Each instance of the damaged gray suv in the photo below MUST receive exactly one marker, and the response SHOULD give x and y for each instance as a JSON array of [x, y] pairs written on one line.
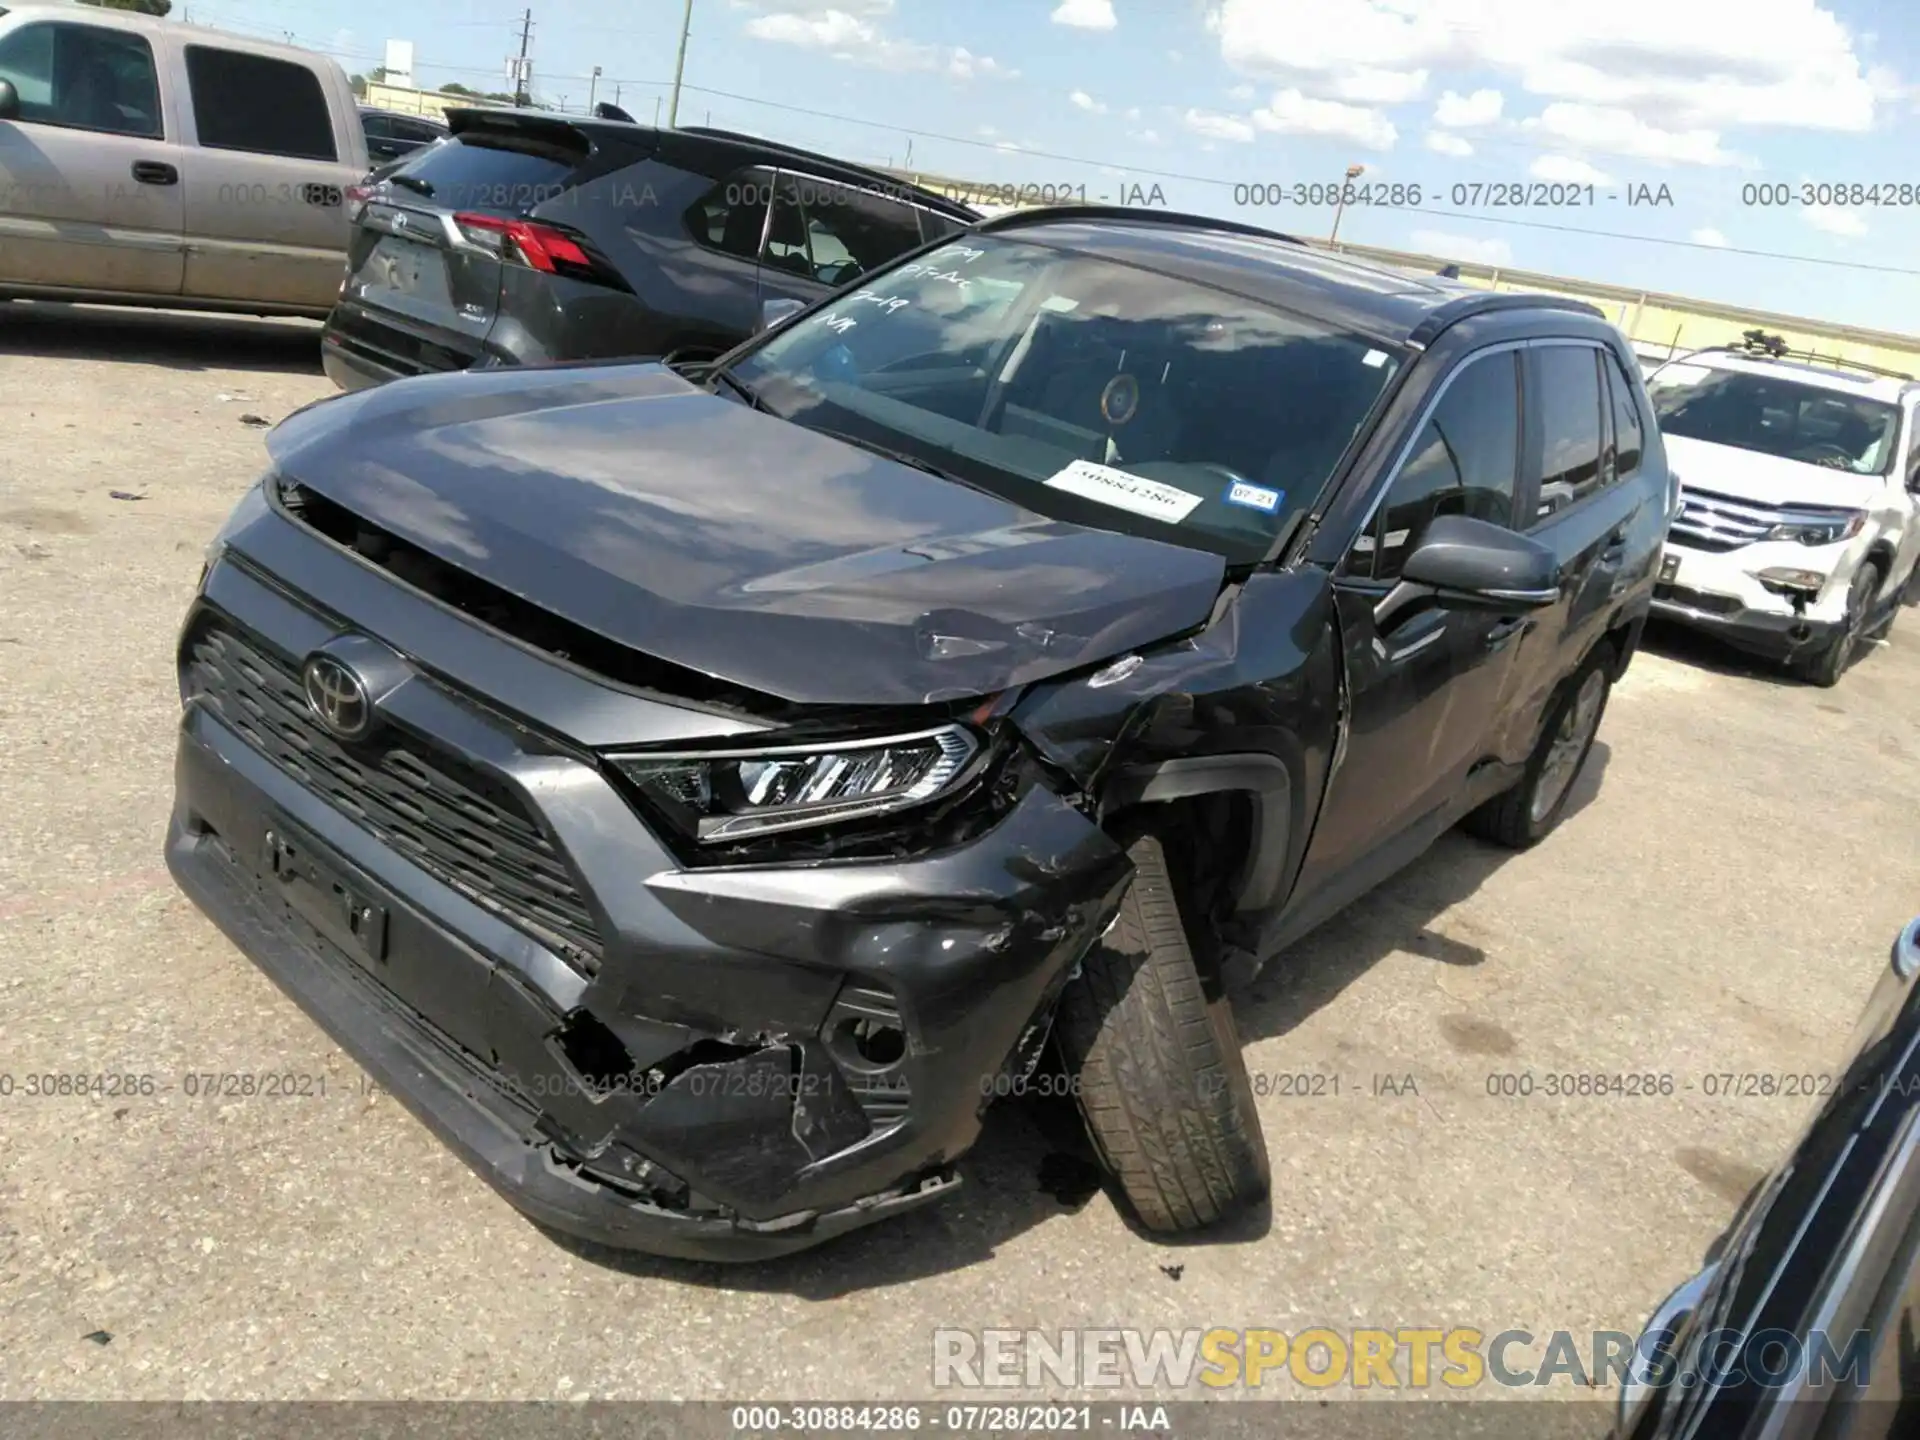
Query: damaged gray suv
[[697, 790]]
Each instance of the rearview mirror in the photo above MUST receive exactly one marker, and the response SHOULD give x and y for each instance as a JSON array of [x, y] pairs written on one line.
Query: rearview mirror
[[1467, 564], [772, 312], [9, 101]]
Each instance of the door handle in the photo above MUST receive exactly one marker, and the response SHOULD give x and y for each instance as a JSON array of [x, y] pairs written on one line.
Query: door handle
[[1506, 630], [1616, 550], [155, 172]]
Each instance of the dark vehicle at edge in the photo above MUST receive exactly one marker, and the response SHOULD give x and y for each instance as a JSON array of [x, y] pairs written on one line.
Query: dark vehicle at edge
[[698, 790], [392, 135], [526, 238], [1822, 1260]]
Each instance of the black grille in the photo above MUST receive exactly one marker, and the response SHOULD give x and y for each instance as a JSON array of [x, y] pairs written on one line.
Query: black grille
[[449, 822]]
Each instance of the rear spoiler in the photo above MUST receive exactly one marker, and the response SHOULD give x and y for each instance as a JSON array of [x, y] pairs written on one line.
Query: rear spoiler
[[605, 145]]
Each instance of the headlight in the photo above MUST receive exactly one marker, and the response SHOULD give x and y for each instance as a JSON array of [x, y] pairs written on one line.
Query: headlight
[[1819, 532], [731, 794]]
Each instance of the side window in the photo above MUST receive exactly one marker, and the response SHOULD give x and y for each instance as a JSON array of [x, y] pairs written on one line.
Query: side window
[[263, 106], [1627, 440], [731, 217], [378, 127], [84, 78], [1569, 413], [789, 243], [935, 226], [1463, 462], [415, 130], [848, 231]]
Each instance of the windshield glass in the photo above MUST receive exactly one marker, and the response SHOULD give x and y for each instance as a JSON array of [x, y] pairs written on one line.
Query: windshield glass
[[1775, 416], [1088, 391]]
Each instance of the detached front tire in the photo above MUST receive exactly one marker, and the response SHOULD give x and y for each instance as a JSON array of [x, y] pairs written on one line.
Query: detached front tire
[[1524, 815], [1160, 1079]]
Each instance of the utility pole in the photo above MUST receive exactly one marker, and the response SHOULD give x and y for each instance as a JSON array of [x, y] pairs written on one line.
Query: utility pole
[[1354, 172], [592, 85], [520, 95], [679, 66]]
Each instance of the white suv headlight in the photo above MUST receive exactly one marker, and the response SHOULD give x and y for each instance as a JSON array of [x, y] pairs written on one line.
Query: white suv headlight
[[716, 795], [1825, 531]]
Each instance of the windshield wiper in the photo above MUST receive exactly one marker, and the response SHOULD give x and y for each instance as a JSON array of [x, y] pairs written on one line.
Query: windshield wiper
[[413, 183], [899, 457], [739, 387]]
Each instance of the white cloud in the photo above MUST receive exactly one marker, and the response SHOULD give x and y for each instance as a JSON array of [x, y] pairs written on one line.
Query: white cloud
[[1216, 126], [1292, 113], [1707, 235], [1146, 137], [1086, 14], [1381, 87], [1241, 92], [1835, 222], [1482, 107], [848, 30], [1706, 65], [1568, 170], [1620, 132], [1443, 143], [1133, 112], [1463, 247], [1083, 101]]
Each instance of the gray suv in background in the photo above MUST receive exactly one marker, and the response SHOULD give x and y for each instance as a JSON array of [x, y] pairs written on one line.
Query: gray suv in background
[[527, 238], [147, 162]]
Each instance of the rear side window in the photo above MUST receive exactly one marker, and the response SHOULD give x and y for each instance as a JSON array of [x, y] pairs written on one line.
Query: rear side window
[[259, 105], [732, 216], [935, 226], [421, 130], [1569, 412], [1628, 441], [84, 78], [485, 172], [1463, 462]]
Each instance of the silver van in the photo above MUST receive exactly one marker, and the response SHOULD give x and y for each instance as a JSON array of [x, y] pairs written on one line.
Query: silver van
[[150, 162]]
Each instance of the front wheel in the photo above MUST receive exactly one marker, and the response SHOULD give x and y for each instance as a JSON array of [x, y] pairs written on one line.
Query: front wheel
[[1159, 1075], [1524, 815], [1826, 666]]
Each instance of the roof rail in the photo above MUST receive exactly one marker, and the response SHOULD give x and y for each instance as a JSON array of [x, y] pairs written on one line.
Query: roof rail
[[1151, 215], [1486, 302], [891, 183], [1758, 345]]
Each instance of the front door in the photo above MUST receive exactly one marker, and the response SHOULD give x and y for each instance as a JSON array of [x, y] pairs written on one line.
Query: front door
[[1423, 682], [89, 177]]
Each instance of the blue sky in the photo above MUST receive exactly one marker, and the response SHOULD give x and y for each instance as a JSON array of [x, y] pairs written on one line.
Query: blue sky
[[1704, 97]]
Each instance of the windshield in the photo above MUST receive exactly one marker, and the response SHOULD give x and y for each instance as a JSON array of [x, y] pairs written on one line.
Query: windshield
[[1088, 391], [1775, 416]]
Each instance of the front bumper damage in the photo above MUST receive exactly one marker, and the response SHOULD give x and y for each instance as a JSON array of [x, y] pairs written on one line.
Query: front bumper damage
[[759, 1057], [1717, 592]]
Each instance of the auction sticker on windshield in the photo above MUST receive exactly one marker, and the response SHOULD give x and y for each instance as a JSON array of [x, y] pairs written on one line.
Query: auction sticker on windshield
[[1124, 491]]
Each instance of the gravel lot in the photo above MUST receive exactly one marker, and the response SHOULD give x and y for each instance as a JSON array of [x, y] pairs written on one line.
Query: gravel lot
[[1720, 903]]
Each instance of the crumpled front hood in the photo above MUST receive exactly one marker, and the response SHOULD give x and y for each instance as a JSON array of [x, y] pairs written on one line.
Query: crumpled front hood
[[689, 527], [1765, 479]]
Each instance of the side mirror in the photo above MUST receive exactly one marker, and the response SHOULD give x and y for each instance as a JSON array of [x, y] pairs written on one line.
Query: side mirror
[[772, 312], [9, 101], [1467, 564], [1477, 563]]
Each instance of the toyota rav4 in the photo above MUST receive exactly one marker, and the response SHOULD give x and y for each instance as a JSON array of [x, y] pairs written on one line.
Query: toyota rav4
[[1799, 523], [697, 790]]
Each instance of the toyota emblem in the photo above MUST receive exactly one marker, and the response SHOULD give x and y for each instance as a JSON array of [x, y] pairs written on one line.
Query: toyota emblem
[[337, 697]]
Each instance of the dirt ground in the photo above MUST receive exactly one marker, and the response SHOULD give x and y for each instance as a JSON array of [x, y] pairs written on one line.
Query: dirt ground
[[1720, 903]]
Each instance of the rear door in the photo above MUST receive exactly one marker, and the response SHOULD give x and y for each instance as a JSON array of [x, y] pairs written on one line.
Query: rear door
[[1589, 486], [89, 172], [1423, 684], [267, 161]]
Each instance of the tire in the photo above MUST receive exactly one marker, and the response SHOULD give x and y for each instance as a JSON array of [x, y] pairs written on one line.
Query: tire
[[1526, 814], [1895, 604], [1160, 1079], [1827, 666]]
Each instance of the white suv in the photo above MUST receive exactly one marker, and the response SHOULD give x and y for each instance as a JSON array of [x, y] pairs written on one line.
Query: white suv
[[1799, 520]]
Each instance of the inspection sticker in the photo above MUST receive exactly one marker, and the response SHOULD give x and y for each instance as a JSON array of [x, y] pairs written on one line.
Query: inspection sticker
[[1124, 491], [1255, 497]]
